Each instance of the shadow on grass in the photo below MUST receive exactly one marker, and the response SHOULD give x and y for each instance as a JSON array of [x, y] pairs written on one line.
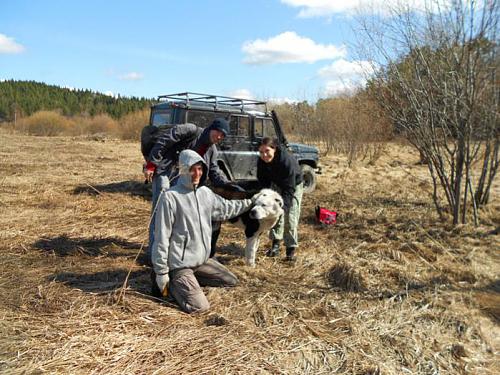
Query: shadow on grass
[[105, 281], [228, 253], [95, 246], [134, 188]]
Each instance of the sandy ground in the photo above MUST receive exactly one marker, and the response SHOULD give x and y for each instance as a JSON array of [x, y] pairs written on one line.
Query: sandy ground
[[389, 289]]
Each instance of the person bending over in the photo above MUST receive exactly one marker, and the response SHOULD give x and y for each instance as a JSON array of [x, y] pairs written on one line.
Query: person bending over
[[280, 170]]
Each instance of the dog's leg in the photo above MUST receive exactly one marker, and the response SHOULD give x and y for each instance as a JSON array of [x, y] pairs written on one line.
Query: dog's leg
[[251, 250]]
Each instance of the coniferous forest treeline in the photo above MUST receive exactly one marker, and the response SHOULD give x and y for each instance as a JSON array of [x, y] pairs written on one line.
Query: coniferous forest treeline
[[23, 98]]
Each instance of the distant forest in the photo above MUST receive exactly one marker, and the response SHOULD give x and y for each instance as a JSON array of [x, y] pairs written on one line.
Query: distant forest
[[27, 97]]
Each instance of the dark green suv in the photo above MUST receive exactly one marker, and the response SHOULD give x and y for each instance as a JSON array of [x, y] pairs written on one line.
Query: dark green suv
[[249, 122]]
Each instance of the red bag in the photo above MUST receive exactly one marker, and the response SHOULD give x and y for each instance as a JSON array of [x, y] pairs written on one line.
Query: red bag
[[325, 216]]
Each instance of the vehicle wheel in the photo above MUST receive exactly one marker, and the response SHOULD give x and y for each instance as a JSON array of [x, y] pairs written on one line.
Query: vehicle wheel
[[309, 178]]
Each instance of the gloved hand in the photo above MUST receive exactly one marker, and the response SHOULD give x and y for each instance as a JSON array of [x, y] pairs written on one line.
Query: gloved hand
[[162, 282]]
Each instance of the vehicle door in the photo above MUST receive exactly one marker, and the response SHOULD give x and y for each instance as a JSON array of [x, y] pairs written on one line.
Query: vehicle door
[[236, 150], [262, 127]]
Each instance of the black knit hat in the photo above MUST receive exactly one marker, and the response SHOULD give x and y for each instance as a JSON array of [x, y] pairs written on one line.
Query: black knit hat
[[220, 124]]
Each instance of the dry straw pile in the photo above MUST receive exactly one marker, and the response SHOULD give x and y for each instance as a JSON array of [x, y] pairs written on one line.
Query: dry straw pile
[[388, 290]]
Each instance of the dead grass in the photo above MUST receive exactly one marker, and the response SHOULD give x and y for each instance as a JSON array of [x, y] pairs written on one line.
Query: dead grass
[[388, 290]]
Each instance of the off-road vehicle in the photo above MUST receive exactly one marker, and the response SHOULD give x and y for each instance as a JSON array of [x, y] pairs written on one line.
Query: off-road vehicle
[[249, 121]]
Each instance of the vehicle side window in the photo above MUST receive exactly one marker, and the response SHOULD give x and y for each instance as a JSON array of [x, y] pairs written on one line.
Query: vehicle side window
[[160, 118], [269, 129], [233, 126], [200, 118], [258, 125], [240, 126]]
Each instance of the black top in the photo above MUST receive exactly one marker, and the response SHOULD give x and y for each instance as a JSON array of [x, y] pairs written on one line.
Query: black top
[[284, 171]]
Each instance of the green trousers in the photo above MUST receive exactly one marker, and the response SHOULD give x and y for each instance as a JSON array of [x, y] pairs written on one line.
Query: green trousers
[[287, 226]]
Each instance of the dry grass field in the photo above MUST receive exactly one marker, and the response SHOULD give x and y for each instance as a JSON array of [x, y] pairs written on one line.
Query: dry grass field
[[388, 290]]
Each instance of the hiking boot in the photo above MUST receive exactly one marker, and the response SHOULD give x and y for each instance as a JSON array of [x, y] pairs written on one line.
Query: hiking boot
[[290, 254], [274, 251]]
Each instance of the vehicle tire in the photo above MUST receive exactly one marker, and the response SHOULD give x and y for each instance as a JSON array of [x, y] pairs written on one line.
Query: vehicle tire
[[309, 178]]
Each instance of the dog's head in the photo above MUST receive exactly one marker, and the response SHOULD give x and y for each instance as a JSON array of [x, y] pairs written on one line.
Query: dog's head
[[267, 204]]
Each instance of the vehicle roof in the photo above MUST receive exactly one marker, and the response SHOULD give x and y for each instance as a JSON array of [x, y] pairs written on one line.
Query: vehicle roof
[[208, 102], [206, 107]]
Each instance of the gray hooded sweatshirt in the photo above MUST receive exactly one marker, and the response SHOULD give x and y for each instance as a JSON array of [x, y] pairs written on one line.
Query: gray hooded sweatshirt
[[183, 221]]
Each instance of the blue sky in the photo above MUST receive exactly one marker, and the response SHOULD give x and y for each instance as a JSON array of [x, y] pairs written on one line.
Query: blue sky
[[281, 49]]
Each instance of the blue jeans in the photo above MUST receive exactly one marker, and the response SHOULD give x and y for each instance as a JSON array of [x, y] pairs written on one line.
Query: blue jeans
[[159, 183]]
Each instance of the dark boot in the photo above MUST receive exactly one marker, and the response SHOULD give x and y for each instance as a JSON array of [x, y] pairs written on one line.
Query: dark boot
[[290, 254], [274, 251]]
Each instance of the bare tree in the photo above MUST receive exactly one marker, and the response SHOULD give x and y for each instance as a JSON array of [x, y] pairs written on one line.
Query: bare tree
[[437, 79]]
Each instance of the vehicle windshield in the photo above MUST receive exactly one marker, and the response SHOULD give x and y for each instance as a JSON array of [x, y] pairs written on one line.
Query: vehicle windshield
[[163, 117]]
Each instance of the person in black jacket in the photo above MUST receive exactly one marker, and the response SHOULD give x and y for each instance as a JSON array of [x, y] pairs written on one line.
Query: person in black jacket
[[279, 169]]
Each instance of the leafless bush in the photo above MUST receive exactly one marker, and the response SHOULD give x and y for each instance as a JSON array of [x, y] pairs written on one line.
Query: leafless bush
[[99, 124], [50, 123], [45, 123], [438, 83], [355, 126], [130, 125]]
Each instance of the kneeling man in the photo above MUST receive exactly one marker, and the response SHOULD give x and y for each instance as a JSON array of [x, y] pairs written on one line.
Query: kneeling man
[[183, 230]]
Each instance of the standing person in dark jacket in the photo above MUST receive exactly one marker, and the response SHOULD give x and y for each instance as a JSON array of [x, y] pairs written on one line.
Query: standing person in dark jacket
[[279, 169], [161, 168]]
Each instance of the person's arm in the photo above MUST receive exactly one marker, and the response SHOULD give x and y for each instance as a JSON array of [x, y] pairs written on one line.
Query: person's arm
[[164, 221], [262, 176], [287, 186], [168, 139], [224, 209], [215, 175], [288, 169]]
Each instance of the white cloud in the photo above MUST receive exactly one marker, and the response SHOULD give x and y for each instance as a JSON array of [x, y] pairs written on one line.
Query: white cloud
[[8, 45], [322, 8], [132, 76], [344, 76], [242, 94], [282, 100], [347, 69], [289, 47], [327, 8]]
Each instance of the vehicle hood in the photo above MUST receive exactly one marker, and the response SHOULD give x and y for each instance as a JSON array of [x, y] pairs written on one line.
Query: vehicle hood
[[302, 148]]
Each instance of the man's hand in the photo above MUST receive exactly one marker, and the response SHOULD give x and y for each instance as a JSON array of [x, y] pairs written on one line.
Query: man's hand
[[162, 283], [149, 170], [148, 176]]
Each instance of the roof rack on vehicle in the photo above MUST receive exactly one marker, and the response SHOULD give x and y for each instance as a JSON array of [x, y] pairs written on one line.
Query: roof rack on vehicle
[[215, 100]]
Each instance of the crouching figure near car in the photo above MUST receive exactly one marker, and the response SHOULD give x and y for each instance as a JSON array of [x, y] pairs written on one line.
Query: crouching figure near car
[[183, 230]]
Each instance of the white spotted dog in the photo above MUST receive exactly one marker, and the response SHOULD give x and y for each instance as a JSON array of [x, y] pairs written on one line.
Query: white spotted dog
[[267, 209]]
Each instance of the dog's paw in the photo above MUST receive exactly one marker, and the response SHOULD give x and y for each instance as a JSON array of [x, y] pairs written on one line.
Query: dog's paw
[[250, 263]]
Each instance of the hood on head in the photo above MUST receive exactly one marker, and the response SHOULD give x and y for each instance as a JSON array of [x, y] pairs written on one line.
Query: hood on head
[[220, 124], [188, 158]]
